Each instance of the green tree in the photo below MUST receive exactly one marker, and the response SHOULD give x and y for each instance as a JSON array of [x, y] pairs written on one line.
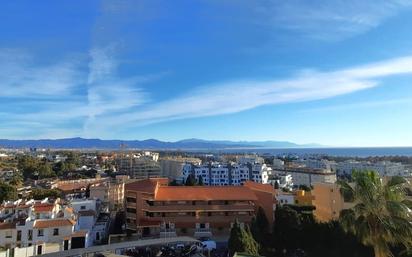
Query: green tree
[[241, 240], [260, 227], [190, 180], [381, 216], [46, 171], [200, 181], [40, 194], [17, 179], [286, 229], [28, 166], [7, 192]]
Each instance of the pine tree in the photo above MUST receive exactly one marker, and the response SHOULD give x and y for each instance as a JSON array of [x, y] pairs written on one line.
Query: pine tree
[[190, 180], [200, 181], [242, 241]]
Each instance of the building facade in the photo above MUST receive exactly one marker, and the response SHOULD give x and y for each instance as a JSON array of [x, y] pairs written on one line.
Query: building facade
[[39, 227], [328, 201], [218, 174], [384, 168], [140, 166], [307, 176], [153, 208], [172, 167]]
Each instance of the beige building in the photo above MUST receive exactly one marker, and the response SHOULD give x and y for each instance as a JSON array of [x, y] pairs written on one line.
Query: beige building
[[328, 201], [172, 167], [111, 193]]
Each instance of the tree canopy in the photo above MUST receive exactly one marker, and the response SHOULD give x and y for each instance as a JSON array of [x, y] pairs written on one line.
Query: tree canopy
[[241, 240], [381, 216]]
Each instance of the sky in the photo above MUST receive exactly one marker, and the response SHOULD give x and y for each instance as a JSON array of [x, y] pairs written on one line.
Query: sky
[[336, 73]]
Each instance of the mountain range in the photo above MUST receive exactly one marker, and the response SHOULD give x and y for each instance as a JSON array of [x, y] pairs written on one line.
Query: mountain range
[[83, 143]]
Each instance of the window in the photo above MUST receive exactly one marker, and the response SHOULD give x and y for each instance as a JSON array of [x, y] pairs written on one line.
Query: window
[[97, 236], [40, 232], [55, 232], [83, 207], [131, 200], [9, 234], [130, 210]]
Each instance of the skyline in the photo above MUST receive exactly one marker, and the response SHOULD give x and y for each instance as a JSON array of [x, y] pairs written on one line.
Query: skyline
[[334, 74]]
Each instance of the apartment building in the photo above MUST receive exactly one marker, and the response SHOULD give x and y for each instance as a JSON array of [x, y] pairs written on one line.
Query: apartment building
[[172, 167], [218, 174], [153, 208], [110, 193], [39, 227], [307, 176], [140, 166], [384, 168], [328, 201]]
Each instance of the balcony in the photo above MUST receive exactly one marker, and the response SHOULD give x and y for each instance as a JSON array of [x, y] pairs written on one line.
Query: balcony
[[203, 232], [168, 232], [182, 208]]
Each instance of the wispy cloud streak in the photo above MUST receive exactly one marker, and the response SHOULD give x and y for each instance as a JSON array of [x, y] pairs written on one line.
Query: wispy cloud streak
[[237, 96]]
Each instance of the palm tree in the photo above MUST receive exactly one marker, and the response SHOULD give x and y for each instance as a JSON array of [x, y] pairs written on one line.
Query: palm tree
[[381, 216]]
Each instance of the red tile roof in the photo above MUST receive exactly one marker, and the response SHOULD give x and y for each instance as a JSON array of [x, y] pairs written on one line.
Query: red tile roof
[[259, 187], [204, 193], [80, 233], [43, 207], [53, 223], [146, 185], [7, 225]]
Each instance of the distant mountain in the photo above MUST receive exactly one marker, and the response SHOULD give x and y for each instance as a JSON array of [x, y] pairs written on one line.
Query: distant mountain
[[79, 143]]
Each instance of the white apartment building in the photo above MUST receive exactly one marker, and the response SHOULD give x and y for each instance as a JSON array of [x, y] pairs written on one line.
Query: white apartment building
[[283, 180], [39, 227], [314, 163], [306, 176], [218, 174], [384, 168], [91, 219]]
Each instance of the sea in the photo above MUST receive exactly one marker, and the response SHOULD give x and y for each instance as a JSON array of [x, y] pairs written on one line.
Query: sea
[[341, 152]]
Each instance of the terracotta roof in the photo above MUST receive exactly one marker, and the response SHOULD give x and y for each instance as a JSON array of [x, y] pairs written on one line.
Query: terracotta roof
[[80, 233], [7, 225], [87, 213], [259, 187], [146, 185], [204, 193], [43, 207], [69, 209], [66, 187], [53, 223]]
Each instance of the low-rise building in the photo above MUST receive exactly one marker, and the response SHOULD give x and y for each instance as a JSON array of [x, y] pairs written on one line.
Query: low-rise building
[[39, 227], [153, 208], [384, 168], [306, 176]]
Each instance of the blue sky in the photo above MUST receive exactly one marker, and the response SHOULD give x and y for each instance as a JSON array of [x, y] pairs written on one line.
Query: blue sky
[[331, 72]]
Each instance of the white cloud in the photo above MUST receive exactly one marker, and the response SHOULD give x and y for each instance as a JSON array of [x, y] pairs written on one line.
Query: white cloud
[[22, 76], [232, 97], [322, 19]]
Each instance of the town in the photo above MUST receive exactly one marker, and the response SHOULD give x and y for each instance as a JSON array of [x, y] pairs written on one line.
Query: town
[[140, 203]]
